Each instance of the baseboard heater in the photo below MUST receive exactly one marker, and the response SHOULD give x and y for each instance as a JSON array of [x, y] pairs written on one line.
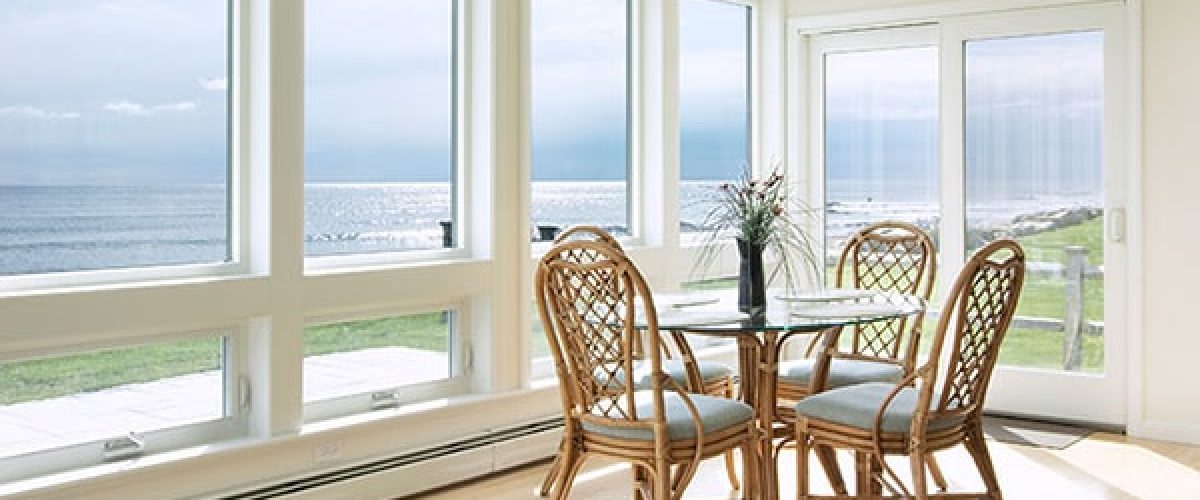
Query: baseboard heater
[[383, 465]]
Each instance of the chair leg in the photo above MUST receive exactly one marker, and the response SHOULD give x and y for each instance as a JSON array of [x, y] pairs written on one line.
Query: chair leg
[[552, 474], [863, 482], [731, 470], [802, 449], [917, 460], [977, 446], [572, 461], [639, 481], [752, 469], [828, 458], [935, 471], [662, 479], [730, 460]]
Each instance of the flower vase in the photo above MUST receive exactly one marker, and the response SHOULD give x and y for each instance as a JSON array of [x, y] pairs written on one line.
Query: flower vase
[[752, 287]]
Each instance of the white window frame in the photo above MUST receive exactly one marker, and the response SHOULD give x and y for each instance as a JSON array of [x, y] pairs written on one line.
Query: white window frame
[[753, 157], [234, 248], [456, 382], [232, 423], [925, 35], [460, 209]]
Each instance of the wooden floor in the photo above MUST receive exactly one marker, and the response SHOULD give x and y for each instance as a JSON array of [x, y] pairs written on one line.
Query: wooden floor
[[1102, 466]]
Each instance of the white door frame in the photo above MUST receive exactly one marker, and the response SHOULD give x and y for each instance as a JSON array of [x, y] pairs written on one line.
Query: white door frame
[[1110, 397]]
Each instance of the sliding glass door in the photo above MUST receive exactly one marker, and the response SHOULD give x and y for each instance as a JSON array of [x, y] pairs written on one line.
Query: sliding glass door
[[1024, 139]]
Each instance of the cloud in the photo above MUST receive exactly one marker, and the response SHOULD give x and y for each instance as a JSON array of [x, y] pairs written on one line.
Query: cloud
[[139, 109], [33, 112], [219, 84]]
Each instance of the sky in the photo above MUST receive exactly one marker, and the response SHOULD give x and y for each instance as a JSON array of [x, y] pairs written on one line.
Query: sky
[[112, 92], [1033, 124], [137, 94]]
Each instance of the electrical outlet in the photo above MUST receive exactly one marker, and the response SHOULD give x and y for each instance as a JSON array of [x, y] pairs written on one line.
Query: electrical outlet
[[326, 452]]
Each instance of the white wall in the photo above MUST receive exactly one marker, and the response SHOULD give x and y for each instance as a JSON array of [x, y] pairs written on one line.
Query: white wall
[[1171, 176], [1167, 408]]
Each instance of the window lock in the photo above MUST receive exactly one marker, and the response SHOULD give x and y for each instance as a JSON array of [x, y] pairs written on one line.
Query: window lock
[[128, 446]]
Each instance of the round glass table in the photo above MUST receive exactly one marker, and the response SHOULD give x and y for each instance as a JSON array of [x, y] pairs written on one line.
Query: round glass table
[[760, 340]]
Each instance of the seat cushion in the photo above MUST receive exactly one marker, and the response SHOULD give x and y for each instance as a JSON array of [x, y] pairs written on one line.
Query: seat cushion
[[716, 414], [709, 371], [842, 372], [856, 406]]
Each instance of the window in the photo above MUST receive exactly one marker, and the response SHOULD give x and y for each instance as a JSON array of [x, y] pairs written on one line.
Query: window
[[881, 141], [714, 103], [580, 115], [1035, 172], [371, 363], [113, 140], [88, 398], [379, 126]]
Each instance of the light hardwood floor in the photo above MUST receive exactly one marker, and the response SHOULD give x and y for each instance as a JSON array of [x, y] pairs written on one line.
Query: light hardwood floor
[[1102, 466]]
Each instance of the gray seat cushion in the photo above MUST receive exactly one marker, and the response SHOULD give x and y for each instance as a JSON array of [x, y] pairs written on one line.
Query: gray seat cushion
[[716, 414], [842, 372], [856, 406], [709, 371]]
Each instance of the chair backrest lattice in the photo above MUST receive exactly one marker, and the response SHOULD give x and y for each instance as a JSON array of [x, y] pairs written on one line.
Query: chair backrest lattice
[[589, 294], [894, 257], [984, 300], [593, 233]]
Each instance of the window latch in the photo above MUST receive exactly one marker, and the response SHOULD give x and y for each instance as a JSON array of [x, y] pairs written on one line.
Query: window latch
[[127, 446], [384, 399]]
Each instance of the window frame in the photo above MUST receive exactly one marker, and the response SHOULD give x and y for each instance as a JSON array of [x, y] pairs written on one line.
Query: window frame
[[820, 46], [695, 240], [632, 92], [235, 251], [460, 203], [456, 383], [231, 425]]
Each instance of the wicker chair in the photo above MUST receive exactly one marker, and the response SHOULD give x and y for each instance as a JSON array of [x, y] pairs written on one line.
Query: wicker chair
[[915, 416], [892, 257], [588, 296], [707, 377], [889, 256]]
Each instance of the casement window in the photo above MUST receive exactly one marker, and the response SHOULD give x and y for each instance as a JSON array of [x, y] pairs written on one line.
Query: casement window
[[83, 407], [580, 118], [380, 115], [114, 139], [714, 103], [364, 364]]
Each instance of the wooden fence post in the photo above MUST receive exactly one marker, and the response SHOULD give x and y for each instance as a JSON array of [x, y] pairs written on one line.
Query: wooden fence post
[[1073, 316]]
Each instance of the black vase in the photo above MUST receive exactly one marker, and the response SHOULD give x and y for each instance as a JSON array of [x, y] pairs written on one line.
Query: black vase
[[752, 287]]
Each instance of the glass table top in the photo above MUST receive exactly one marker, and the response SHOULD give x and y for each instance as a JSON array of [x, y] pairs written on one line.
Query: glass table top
[[716, 311]]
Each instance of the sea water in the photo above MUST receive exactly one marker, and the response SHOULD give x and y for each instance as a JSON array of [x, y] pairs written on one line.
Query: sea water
[[69, 228]]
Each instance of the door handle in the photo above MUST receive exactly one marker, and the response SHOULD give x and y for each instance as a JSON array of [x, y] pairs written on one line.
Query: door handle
[[1116, 225]]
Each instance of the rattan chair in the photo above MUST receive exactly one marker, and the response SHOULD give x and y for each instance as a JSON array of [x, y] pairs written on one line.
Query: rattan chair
[[916, 416], [590, 297], [708, 377], [894, 257], [889, 256]]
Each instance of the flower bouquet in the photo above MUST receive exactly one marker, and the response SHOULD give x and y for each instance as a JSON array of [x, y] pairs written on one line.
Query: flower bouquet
[[758, 214]]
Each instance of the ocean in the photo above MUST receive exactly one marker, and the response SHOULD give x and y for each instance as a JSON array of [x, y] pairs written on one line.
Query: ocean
[[70, 228]]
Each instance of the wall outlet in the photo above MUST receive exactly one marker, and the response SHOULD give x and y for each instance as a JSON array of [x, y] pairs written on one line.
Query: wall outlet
[[326, 452]]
